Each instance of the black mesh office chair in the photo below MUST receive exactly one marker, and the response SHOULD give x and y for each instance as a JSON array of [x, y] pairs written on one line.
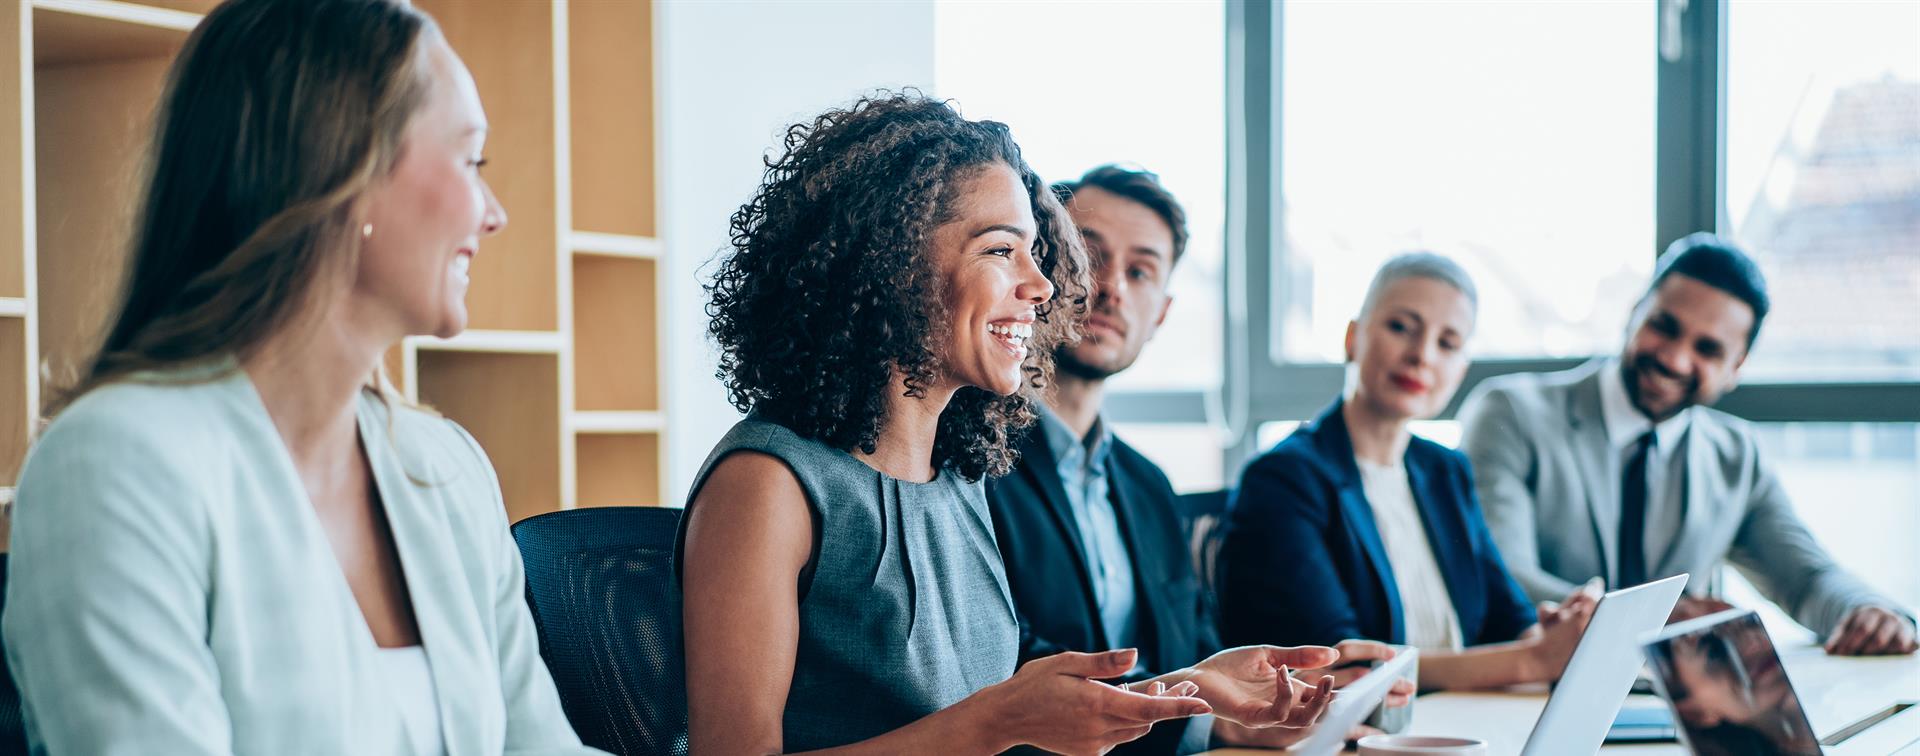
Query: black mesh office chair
[[597, 582], [1205, 514], [13, 729]]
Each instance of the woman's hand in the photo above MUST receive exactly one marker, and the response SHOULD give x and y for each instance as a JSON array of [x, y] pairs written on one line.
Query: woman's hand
[[1057, 703], [1252, 686], [1355, 659], [1551, 643]]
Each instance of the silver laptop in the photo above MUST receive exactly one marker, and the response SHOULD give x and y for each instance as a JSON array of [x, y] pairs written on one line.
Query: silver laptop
[[1353, 703], [1601, 670], [1729, 695]]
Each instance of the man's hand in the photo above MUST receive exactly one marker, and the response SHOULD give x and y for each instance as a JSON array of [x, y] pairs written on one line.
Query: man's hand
[[1872, 630]]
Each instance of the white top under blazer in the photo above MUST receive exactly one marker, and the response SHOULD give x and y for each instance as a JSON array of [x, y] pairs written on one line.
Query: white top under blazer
[[170, 590]]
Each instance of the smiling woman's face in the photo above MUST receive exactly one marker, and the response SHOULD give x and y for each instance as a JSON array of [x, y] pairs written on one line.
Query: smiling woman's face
[[427, 218], [984, 256]]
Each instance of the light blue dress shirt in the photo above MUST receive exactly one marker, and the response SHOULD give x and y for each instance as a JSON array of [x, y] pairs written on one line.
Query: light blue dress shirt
[[1083, 472]]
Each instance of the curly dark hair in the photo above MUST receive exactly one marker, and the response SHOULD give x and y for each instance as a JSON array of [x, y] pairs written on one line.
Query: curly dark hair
[[828, 286]]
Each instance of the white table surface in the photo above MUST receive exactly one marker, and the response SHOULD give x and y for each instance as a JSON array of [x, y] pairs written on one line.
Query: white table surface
[[1835, 691]]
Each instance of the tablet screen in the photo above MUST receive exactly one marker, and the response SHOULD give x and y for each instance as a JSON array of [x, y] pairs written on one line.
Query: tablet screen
[[1728, 691]]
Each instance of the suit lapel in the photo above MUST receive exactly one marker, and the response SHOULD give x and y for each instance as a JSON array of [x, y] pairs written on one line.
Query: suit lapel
[[1043, 472], [1129, 509], [418, 530], [1698, 504], [1599, 464], [1338, 447]]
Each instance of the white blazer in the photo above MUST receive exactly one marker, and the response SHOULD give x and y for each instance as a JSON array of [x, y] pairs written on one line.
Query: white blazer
[[170, 589]]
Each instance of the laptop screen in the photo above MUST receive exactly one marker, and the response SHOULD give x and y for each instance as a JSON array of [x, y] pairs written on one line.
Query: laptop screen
[[1728, 691]]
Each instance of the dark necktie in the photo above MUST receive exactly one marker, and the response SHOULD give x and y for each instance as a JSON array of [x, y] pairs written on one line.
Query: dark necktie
[[1633, 515]]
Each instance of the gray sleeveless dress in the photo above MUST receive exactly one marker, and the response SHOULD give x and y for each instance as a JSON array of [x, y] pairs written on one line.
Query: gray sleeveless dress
[[906, 610]]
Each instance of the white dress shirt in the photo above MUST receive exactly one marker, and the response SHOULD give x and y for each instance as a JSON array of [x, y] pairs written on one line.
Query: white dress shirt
[[1426, 608], [410, 678]]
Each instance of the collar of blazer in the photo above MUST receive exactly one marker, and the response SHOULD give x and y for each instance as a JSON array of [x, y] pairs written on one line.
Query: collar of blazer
[[1444, 531], [1124, 490], [1597, 461]]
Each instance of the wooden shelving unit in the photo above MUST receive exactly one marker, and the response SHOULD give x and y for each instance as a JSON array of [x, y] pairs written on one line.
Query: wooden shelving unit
[[559, 375]]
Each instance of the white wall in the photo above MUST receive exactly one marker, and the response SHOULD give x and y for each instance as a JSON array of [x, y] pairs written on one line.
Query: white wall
[[732, 75]]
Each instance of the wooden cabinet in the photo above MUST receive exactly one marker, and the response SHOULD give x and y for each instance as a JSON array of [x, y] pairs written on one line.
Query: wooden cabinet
[[558, 376]]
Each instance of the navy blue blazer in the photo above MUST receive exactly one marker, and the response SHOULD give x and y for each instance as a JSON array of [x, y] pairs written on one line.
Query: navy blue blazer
[[1053, 589], [1303, 562]]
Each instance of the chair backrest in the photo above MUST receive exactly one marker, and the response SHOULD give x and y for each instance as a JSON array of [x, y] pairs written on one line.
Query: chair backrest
[[13, 728], [1205, 514], [598, 582]]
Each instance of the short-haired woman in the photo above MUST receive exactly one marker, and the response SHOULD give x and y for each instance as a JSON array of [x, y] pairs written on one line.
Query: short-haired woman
[[1353, 527]]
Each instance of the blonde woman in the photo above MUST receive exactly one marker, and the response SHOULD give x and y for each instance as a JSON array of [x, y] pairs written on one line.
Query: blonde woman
[[230, 540]]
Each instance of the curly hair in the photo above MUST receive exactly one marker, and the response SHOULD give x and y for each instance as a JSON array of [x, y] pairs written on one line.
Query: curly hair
[[828, 286]]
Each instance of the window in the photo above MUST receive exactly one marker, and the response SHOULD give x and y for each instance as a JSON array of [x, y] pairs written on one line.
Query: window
[[1172, 447], [1516, 138], [1823, 182], [1084, 84], [1856, 486]]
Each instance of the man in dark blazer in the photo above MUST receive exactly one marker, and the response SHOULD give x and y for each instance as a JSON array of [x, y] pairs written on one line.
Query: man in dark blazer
[[1094, 546]]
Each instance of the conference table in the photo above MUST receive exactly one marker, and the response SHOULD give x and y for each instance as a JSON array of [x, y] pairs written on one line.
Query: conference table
[[1836, 691]]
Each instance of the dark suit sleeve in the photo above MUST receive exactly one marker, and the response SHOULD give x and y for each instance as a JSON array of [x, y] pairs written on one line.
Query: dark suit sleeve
[[1033, 646], [1280, 585], [1206, 620], [1509, 612]]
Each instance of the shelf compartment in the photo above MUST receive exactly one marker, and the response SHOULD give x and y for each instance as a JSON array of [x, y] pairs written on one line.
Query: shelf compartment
[[16, 416], [509, 48], [93, 119], [616, 361], [621, 469], [81, 32], [611, 112], [511, 405], [16, 183]]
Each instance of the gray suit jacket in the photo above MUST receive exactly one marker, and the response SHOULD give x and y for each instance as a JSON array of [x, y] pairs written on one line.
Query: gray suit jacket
[[1549, 482]]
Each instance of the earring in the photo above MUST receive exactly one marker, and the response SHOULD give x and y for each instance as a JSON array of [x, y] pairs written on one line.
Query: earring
[[366, 231]]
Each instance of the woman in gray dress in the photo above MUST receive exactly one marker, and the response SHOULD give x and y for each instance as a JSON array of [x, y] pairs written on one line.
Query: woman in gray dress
[[890, 299]]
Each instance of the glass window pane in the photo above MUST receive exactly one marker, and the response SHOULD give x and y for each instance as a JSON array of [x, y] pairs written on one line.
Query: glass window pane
[[1856, 486], [1136, 82], [1823, 181], [1188, 453], [1515, 137], [1443, 432]]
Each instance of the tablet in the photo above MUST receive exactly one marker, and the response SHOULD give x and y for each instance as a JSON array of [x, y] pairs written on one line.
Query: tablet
[[1352, 704]]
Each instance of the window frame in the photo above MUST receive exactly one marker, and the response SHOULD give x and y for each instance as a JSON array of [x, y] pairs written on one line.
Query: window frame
[[1258, 386]]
